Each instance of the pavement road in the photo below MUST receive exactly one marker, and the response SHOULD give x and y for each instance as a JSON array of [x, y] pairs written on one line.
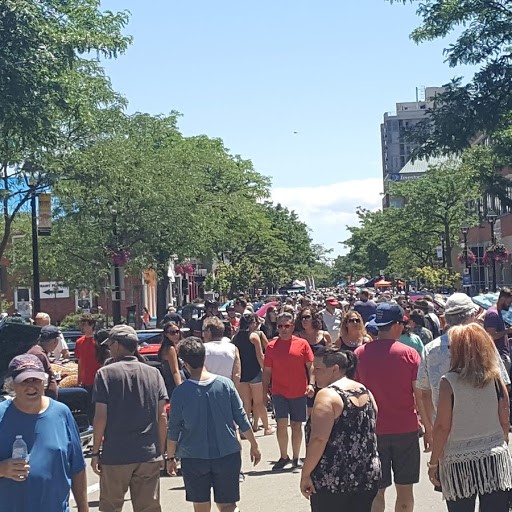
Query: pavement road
[[265, 491]]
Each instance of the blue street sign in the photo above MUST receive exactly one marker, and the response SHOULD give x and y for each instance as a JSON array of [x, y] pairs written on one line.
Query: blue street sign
[[466, 280]]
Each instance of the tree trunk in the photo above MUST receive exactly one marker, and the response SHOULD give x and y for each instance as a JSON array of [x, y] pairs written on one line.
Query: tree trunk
[[161, 297]]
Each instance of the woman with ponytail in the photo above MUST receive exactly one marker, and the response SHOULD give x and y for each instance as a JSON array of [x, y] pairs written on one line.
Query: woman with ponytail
[[342, 468]]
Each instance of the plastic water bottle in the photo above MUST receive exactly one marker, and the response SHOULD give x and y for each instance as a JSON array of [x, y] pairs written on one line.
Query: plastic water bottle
[[19, 449]]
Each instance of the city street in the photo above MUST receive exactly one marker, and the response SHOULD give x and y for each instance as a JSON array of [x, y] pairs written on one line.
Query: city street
[[264, 491]]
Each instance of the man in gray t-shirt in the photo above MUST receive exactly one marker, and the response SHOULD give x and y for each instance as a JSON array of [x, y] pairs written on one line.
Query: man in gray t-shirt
[[131, 423]]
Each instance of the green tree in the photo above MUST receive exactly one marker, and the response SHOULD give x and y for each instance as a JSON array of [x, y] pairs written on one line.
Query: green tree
[[483, 35], [436, 204], [53, 90], [399, 240]]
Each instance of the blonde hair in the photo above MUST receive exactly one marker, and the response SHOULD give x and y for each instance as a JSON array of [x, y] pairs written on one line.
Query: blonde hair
[[473, 355], [344, 323]]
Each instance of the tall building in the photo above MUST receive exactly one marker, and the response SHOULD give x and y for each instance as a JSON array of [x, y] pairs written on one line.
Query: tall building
[[396, 149]]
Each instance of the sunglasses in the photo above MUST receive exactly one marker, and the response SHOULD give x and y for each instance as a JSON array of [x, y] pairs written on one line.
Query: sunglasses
[[354, 321], [172, 333], [284, 326], [306, 317]]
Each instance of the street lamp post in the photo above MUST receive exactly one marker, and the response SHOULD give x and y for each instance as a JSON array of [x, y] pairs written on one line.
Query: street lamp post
[[465, 230], [35, 252], [116, 291], [442, 237], [491, 219]]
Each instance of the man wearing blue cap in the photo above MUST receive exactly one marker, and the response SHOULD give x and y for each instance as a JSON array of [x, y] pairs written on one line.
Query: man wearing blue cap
[[389, 369]]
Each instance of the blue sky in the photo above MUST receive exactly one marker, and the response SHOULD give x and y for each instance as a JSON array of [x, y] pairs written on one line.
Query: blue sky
[[253, 73]]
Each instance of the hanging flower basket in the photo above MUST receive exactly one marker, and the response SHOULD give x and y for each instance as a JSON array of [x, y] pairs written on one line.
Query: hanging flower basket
[[496, 252], [470, 256], [184, 268], [120, 257]]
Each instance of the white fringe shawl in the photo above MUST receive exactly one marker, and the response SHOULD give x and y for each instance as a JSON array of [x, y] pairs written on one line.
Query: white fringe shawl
[[478, 472]]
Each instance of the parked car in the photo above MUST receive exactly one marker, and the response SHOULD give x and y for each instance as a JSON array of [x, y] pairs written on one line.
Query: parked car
[[149, 342]]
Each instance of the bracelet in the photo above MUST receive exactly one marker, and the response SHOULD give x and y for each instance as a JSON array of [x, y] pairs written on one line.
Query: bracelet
[[166, 458], [97, 454], [432, 466]]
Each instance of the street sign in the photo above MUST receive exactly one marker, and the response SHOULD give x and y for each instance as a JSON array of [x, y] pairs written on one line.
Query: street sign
[[53, 290], [466, 280]]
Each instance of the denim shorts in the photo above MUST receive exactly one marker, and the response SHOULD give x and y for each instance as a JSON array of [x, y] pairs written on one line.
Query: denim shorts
[[293, 408], [201, 475], [257, 379]]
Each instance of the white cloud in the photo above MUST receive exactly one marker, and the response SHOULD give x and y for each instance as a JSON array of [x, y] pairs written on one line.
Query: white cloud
[[328, 209]]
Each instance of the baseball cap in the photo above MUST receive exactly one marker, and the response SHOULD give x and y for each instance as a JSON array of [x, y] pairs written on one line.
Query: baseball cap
[[121, 333], [49, 332], [388, 313], [459, 303], [370, 325], [25, 366]]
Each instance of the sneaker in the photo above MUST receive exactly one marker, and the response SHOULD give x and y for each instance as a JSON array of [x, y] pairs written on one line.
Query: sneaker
[[281, 463], [297, 463], [241, 477]]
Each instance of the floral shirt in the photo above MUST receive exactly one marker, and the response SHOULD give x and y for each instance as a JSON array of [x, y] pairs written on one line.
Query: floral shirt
[[436, 363], [350, 462]]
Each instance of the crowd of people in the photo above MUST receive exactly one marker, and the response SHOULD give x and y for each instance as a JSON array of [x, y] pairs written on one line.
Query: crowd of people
[[368, 378]]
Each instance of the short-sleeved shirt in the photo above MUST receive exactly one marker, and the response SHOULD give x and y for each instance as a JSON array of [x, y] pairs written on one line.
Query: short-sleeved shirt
[[388, 369], [61, 346], [131, 390], [55, 455], [52, 389], [288, 359], [436, 363], [332, 322], [494, 320], [366, 308], [85, 352], [413, 341]]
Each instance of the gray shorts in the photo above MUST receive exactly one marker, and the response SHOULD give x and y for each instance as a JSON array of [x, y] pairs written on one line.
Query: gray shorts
[[257, 379], [400, 454], [293, 408]]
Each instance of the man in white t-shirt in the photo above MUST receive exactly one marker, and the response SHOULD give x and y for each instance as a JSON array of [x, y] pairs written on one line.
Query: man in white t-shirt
[[222, 357], [332, 316], [61, 350]]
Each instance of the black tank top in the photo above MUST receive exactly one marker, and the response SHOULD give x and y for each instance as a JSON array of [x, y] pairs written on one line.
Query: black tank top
[[248, 360]]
